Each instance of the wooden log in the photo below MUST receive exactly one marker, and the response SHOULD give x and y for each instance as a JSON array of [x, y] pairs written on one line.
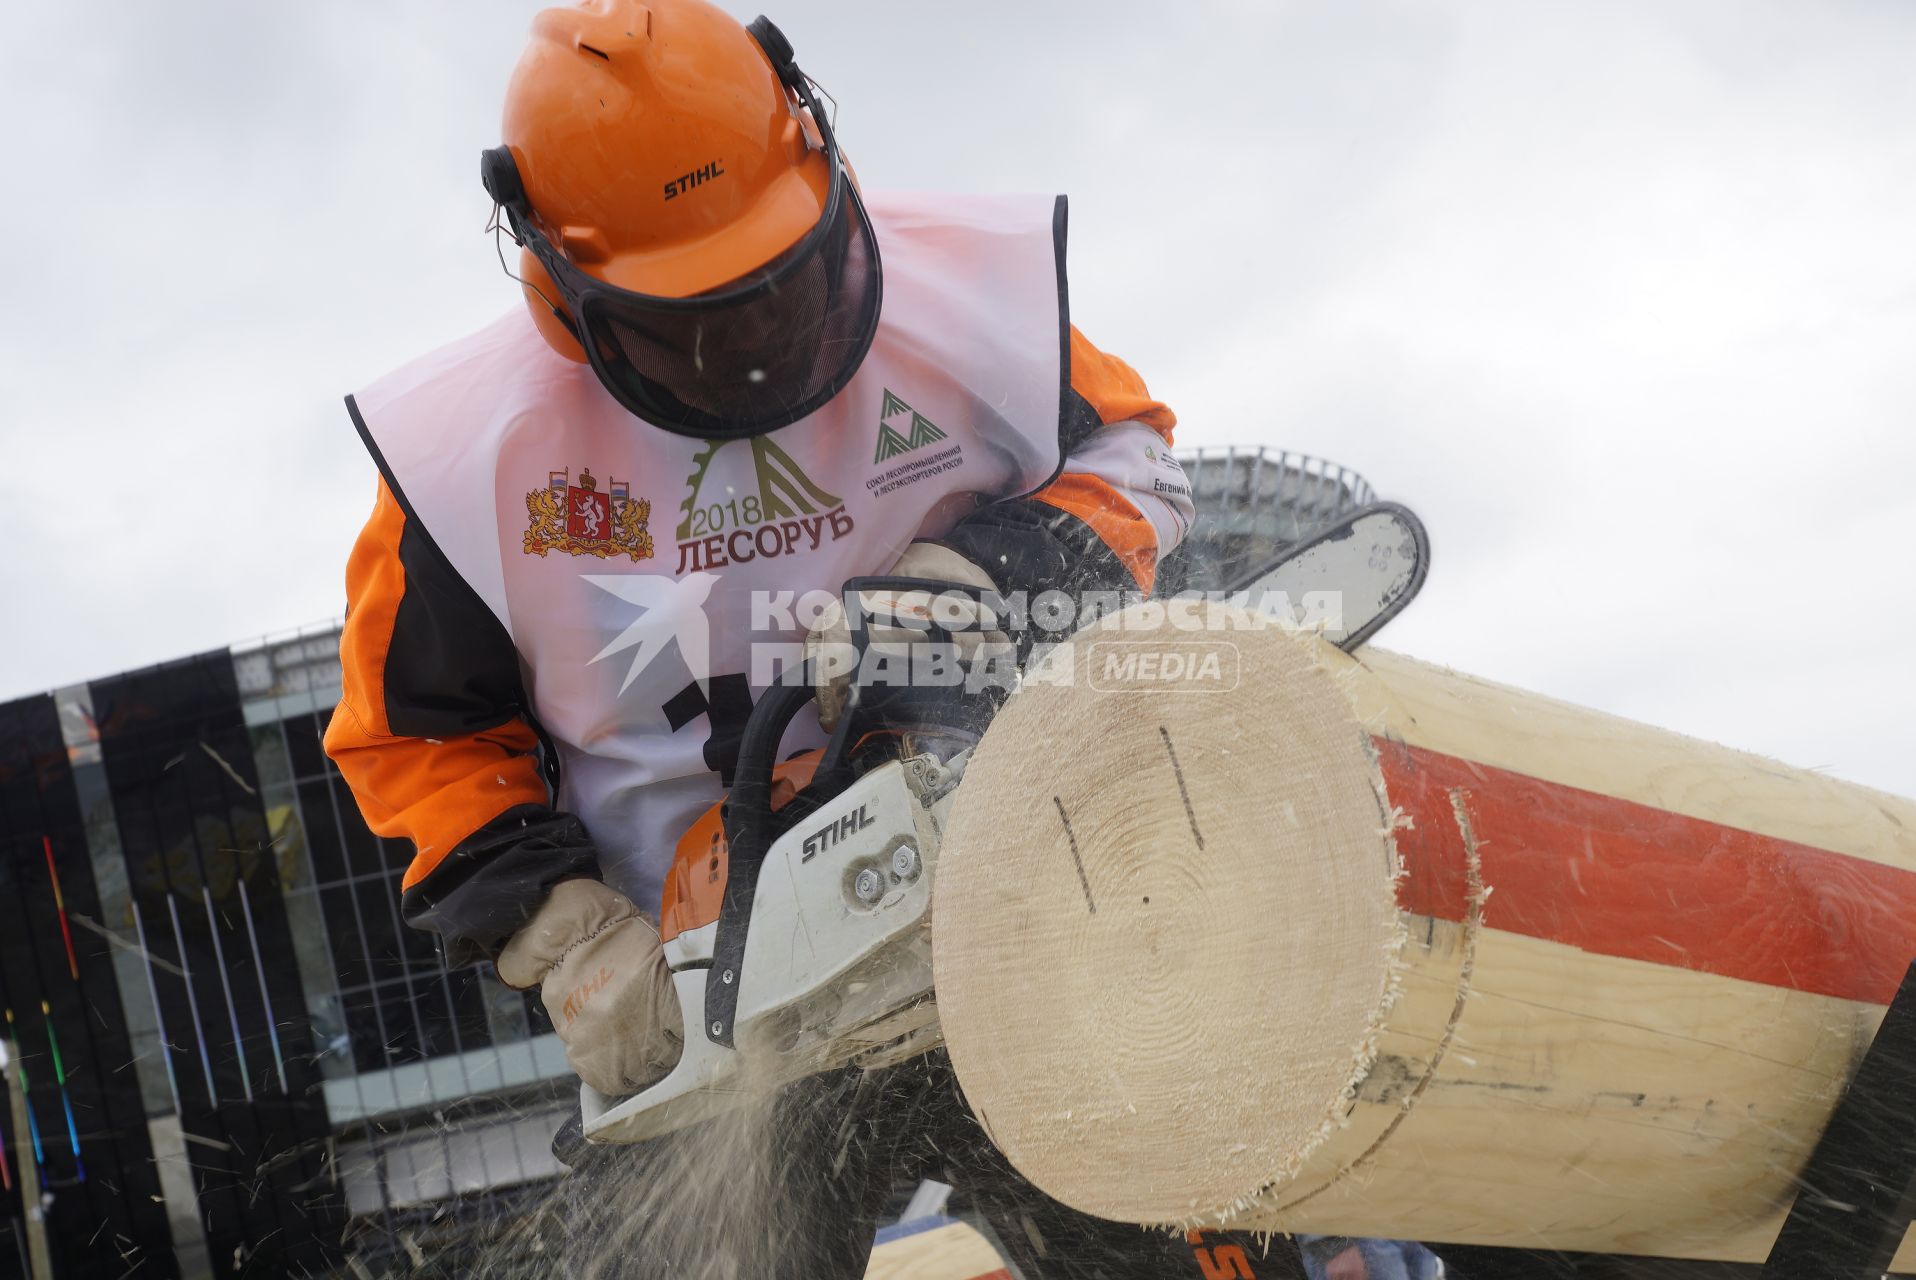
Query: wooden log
[[1309, 942]]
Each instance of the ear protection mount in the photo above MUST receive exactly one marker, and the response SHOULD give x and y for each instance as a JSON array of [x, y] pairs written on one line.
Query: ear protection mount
[[499, 173], [778, 51]]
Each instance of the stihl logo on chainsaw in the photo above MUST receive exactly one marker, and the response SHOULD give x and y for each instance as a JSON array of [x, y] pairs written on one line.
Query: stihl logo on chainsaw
[[834, 832]]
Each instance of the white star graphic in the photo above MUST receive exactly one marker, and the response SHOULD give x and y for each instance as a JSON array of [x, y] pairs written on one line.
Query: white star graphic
[[674, 610]]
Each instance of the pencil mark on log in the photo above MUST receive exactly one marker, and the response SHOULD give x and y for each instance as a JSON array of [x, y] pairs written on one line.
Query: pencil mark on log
[[1076, 860], [1393, 1076], [1183, 791], [1473, 923], [1587, 1016]]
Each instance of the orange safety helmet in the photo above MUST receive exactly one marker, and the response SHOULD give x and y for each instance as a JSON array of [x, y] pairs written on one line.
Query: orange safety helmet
[[686, 222]]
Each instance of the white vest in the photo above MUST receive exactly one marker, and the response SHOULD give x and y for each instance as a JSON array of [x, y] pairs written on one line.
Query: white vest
[[596, 538]]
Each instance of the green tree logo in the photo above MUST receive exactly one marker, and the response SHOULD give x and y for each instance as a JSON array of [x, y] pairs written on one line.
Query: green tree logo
[[892, 441], [784, 490]]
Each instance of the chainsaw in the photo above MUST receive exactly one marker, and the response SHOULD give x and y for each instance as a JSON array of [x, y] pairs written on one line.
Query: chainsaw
[[796, 916]]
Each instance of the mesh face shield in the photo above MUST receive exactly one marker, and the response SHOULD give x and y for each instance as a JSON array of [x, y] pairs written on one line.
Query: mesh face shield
[[743, 359]]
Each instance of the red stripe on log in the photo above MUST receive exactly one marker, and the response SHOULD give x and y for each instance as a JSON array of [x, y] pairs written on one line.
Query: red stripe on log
[[1619, 878]]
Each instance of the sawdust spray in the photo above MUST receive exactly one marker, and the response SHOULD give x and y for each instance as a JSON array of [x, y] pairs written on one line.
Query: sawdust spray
[[757, 1193]]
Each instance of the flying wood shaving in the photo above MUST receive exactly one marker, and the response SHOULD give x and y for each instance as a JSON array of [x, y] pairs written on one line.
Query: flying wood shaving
[[94, 926], [230, 771]]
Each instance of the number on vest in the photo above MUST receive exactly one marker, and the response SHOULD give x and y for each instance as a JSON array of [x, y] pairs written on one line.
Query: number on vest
[[728, 706]]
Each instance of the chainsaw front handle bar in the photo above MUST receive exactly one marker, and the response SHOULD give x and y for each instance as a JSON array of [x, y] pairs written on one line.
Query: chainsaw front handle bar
[[750, 825], [749, 832]]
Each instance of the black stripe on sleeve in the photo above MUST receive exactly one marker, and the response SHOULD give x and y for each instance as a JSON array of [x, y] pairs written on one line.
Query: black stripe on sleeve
[[451, 669]]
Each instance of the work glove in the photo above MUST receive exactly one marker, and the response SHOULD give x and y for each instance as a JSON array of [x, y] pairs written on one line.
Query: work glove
[[829, 645], [603, 977]]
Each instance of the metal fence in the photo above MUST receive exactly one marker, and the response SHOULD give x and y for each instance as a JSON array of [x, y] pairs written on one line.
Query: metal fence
[[1251, 504]]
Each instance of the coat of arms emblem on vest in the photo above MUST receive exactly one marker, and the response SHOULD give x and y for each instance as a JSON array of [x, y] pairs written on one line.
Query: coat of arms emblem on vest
[[581, 519]]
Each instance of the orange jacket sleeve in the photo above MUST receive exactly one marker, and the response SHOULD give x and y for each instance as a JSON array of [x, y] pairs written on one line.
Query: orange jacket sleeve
[[433, 737], [1113, 389], [1119, 503]]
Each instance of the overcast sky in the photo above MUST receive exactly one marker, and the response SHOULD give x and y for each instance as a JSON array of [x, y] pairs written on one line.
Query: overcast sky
[[1621, 297]]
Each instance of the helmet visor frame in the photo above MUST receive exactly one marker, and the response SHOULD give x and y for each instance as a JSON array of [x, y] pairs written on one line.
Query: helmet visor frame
[[753, 354]]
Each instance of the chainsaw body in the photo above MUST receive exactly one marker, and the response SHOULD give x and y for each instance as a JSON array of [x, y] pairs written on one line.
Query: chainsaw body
[[837, 965], [796, 916]]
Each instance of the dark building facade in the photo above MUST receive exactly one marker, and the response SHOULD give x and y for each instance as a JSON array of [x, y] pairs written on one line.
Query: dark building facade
[[86, 1127], [237, 1060], [245, 1064]]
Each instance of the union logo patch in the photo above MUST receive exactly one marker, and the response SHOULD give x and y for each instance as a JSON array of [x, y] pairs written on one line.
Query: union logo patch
[[583, 520], [893, 441]]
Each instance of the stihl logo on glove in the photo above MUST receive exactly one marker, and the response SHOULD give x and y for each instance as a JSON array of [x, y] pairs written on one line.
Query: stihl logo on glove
[[894, 608], [575, 1002]]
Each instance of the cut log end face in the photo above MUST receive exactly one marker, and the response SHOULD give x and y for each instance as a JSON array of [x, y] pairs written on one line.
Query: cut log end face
[[1149, 896], [1606, 1006]]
